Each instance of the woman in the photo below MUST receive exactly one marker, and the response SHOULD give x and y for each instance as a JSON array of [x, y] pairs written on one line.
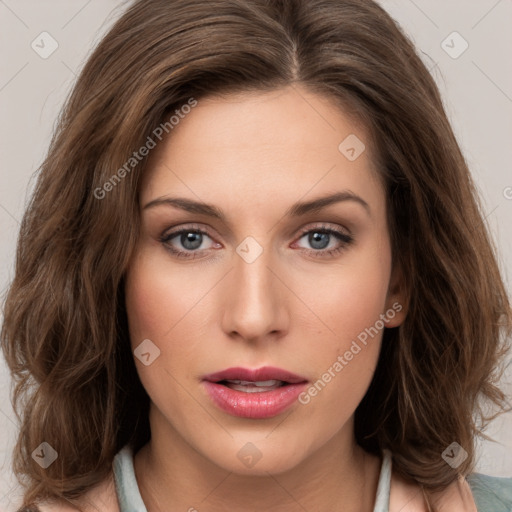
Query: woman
[[254, 274]]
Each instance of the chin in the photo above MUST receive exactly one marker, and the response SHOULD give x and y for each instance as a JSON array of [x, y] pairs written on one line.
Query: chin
[[259, 456]]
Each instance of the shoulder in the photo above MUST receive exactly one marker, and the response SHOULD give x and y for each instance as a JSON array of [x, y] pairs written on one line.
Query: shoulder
[[475, 493], [491, 493], [406, 496], [101, 498]]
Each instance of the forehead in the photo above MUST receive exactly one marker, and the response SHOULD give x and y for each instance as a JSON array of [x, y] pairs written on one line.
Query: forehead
[[263, 147]]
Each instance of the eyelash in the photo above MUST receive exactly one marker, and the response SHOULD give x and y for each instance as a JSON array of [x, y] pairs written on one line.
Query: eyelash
[[344, 238]]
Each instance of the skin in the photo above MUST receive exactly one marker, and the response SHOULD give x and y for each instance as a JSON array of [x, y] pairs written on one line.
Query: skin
[[253, 156]]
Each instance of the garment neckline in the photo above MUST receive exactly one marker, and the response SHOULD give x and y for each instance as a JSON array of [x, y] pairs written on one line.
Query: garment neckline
[[130, 499]]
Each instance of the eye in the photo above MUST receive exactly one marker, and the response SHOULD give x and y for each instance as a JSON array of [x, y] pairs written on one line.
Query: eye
[[326, 241], [190, 239]]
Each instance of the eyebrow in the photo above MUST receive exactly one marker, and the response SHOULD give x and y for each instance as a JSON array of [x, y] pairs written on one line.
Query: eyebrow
[[296, 210]]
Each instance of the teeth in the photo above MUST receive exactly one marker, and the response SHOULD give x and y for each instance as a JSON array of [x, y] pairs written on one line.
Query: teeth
[[261, 383], [254, 387]]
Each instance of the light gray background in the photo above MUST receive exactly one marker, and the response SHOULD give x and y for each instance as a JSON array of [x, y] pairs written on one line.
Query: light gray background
[[476, 86]]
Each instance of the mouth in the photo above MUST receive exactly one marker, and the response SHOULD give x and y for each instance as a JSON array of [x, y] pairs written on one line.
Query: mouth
[[247, 386], [257, 394]]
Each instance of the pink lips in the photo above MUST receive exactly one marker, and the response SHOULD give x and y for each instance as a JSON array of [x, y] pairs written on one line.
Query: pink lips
[[261, 401]]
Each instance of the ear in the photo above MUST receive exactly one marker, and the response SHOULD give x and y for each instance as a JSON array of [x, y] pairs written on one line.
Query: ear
[[396, 300]]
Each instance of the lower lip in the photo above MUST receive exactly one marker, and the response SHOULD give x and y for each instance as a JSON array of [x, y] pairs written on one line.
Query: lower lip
[[261, 405]]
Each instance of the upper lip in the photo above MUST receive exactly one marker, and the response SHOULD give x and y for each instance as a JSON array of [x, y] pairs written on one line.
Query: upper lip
[[255, 375]]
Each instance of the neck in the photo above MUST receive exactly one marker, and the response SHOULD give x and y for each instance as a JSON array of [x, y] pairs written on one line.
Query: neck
[[173, 476]]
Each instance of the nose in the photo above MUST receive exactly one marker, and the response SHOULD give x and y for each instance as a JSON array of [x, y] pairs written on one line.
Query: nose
[[255, 306]]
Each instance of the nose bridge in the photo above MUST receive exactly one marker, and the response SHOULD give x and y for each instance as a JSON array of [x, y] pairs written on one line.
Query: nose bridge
[[254, 305]]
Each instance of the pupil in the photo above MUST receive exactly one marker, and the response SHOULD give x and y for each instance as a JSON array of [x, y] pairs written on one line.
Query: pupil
[[314, 238], [187, 239]]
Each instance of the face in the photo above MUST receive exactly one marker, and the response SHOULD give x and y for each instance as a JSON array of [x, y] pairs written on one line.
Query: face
[[257, 330]]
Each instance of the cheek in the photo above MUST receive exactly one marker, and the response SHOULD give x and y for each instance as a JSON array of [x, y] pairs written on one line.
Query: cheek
[[349, 308], [159, 308], [169, 308], [159, 302], [351, 296], [362, 298]]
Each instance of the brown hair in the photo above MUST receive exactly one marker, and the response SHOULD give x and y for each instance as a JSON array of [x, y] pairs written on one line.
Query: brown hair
[[65, 335]]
